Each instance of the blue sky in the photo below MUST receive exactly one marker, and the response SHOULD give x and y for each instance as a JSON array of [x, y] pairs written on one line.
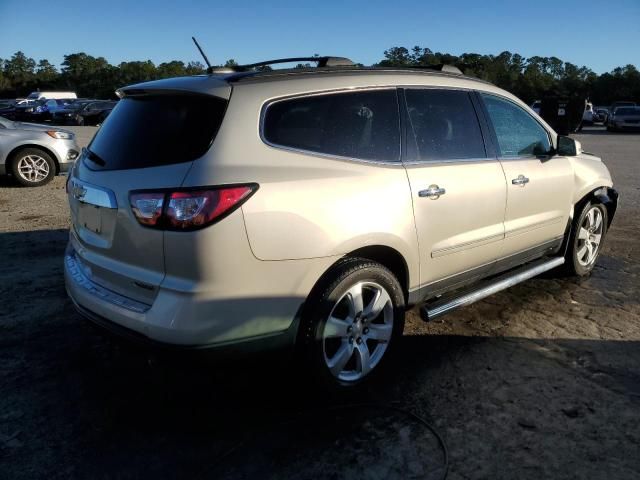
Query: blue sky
[[600, 34]]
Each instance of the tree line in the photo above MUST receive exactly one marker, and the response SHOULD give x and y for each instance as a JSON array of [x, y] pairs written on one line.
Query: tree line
[[529, 78]]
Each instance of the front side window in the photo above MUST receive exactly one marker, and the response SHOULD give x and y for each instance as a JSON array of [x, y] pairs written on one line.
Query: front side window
[[444, 125], [363, 125], [517, 132]]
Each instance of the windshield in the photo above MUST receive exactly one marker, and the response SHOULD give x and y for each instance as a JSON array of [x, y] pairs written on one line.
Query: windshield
[[157, 130], [33, 96]]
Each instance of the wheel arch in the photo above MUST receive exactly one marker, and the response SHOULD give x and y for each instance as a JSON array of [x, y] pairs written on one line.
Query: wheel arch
[[24, 146], [387, 256], [604, 195]]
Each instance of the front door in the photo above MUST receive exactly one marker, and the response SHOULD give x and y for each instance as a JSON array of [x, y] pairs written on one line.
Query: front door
[[539, 186], [459, 194]]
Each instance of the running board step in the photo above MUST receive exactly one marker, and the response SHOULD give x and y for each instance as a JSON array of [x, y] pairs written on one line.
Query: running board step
[[440, 306]]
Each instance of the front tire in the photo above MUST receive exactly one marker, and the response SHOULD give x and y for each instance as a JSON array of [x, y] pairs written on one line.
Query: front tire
[[352, 323], [32, 167], [587, 235]]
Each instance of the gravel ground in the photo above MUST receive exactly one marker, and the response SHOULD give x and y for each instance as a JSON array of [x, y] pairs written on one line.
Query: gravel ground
[[540, 381]]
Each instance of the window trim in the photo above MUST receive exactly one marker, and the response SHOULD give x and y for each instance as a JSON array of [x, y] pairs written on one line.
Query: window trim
[[494, 135], [265, 107], [408, 126]]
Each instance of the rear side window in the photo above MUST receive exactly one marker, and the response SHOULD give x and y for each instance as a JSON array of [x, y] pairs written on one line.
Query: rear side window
[[517, 132], [156, 130], [444, 125], [363, 125]]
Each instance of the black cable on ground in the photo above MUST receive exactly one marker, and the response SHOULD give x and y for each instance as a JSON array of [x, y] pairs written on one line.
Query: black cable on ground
[[393, 408]]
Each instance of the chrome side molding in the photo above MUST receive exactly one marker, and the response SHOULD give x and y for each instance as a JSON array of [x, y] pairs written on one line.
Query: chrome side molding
[[92, 194], [439, 307]]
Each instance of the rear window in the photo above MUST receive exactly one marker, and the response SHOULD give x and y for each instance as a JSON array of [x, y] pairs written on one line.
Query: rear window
[[156, 130], [444, 125], [362, 125]]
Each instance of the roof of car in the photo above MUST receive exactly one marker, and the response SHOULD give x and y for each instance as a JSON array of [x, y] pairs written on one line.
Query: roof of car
[[270, 75], [219, 82]]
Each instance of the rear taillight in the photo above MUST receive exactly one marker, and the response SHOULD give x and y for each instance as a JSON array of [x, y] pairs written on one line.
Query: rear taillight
[[147, 207], [188, 209]]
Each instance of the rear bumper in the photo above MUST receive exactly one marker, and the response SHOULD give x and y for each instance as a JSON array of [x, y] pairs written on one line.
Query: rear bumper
[[182, 320], [261, 343]]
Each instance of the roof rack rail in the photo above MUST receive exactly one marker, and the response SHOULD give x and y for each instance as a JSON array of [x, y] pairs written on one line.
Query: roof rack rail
[[321, 61], [440, 67]]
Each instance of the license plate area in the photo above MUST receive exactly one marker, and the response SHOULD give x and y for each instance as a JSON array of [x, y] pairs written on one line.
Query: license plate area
[[89, 217]]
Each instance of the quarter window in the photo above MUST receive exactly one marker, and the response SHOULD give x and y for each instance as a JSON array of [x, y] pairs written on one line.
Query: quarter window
[[517, 132], [363, 125], [444, 125]]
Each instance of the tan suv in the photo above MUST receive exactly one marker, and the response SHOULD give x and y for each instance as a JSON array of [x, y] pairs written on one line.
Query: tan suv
[[313, 206]]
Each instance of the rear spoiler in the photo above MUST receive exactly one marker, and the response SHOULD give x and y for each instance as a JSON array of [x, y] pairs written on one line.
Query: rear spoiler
[[199, 84]]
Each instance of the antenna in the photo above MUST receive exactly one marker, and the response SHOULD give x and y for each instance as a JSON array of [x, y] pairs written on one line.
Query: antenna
[[206, 60]]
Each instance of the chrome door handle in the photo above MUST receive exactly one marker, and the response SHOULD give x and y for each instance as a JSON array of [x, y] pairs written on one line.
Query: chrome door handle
[[433, 192], [521, 180]]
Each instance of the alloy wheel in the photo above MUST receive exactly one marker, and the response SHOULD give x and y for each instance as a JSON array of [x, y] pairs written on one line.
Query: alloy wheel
[[33, 168], [590, 236], [357, 332]]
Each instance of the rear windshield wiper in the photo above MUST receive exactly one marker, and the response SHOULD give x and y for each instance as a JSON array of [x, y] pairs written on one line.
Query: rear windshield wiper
[[95, 158]]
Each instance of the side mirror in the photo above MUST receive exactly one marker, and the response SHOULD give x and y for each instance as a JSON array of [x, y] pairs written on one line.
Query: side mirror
[[568, 147]]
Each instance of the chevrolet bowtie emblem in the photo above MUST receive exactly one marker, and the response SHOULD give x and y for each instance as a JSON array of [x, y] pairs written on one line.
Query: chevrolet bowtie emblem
[[78, 191]]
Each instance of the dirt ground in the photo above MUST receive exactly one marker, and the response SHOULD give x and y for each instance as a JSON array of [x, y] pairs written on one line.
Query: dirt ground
[[540, 381]]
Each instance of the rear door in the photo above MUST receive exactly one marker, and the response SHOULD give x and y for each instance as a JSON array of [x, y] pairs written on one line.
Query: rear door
[[148, 142], [459, 191], [539, 187]]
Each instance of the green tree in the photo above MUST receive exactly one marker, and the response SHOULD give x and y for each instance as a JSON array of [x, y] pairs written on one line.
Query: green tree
[[136, 72], [46, 73], [195, 68], [174, 68], [5, 83], [20, 70], [89, 76]]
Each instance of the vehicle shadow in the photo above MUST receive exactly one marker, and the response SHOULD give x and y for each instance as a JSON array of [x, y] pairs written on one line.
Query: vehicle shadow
[[83, 404], [7, 181]]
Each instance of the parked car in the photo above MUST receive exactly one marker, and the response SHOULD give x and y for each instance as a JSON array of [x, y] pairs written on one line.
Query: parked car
[[94, 113], [624, 118], [34, 154], [10, 109], [362, 192], [600, 115], [104, 114], [50, 95], [69, 114], [41, 110], [7, 109], [615, 105]]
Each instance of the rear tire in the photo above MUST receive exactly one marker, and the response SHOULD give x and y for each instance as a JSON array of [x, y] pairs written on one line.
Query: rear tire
[[587, 235], [32, 167], [351, 324]]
